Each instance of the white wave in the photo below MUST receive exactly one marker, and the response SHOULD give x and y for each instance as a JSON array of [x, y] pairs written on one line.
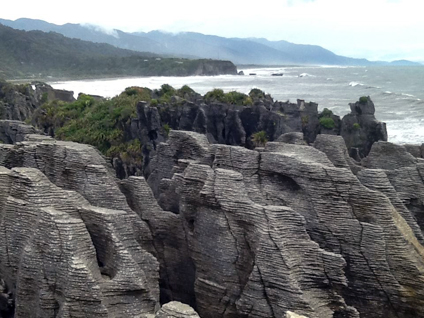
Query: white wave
[[409, 95], [353, 84], [306, 75]]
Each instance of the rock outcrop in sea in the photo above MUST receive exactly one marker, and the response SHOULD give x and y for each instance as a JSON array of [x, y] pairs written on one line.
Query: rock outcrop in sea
[[295, 228]]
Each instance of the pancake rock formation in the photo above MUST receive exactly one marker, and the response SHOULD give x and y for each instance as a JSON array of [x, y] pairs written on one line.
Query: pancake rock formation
[[288, 230], [236, 125]]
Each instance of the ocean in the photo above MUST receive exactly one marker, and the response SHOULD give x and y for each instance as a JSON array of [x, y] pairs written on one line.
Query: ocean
[[397, 91]]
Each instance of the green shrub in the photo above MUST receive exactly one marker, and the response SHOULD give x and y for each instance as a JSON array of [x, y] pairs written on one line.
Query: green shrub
[[129, 152], [327, 122], [248, 102], [185, 90], [166, 89], [44, 98], [326, 113], [166, 128], [363, 100], [101, 123], [256, 93], [216, 95], [154, 102], [305, 120], [356, 126], [130, 91], [235, 98], [259, 138]]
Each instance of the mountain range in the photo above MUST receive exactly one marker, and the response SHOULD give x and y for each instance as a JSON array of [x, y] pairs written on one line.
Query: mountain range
[[37, 54], [258, 51]]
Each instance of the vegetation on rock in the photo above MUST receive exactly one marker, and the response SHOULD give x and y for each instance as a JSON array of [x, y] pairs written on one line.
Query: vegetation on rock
[[327, 122], [256, 93], [101, 123], [259, 138], [233, 97], [325, 113], [363, 100]]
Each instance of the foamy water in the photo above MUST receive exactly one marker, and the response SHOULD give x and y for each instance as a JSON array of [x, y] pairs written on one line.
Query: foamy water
[[396, 91]]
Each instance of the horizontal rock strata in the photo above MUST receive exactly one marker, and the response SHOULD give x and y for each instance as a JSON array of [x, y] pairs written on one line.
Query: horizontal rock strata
[[292, 229], [287, 230], [62, 255]]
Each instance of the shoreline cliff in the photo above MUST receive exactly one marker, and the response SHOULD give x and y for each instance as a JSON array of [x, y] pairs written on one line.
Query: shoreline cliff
[[292, 223]]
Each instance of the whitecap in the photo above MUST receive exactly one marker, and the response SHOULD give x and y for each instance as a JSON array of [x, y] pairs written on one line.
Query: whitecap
[[409, 95], [353, 84], [305, 75]]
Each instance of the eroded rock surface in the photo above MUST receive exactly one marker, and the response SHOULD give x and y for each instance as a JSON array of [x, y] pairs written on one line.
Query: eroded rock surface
[[250, 216], [71, 246], [176, 309], [290, 230]]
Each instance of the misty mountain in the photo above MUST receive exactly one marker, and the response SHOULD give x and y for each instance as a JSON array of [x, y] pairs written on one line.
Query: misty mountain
[[88, 33], [39, 54], [196, 45]]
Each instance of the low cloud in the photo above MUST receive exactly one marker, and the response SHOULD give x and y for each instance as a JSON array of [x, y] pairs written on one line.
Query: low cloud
[[105, 30]]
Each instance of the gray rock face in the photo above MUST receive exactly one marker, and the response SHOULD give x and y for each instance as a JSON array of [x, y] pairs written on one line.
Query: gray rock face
[[229, 124], [176, 309], [415, 150], [290, 230], [18, 102], [12, 131], [71, 245], [360, 129]]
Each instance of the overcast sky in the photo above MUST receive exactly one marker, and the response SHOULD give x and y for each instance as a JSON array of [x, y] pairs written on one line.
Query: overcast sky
[[373, 29]]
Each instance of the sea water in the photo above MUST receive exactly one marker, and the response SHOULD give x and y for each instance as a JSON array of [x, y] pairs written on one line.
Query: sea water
[[397, 91]]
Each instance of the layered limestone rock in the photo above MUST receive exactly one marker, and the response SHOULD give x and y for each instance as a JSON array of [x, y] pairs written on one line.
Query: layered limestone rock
[[12, 131], [360, 129], [176, 309], [70, 246], [290, 230], [230, 124]]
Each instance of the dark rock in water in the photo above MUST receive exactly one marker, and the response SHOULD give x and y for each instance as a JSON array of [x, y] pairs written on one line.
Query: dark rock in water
[[252, 73], [240, 73], [277, 74]]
